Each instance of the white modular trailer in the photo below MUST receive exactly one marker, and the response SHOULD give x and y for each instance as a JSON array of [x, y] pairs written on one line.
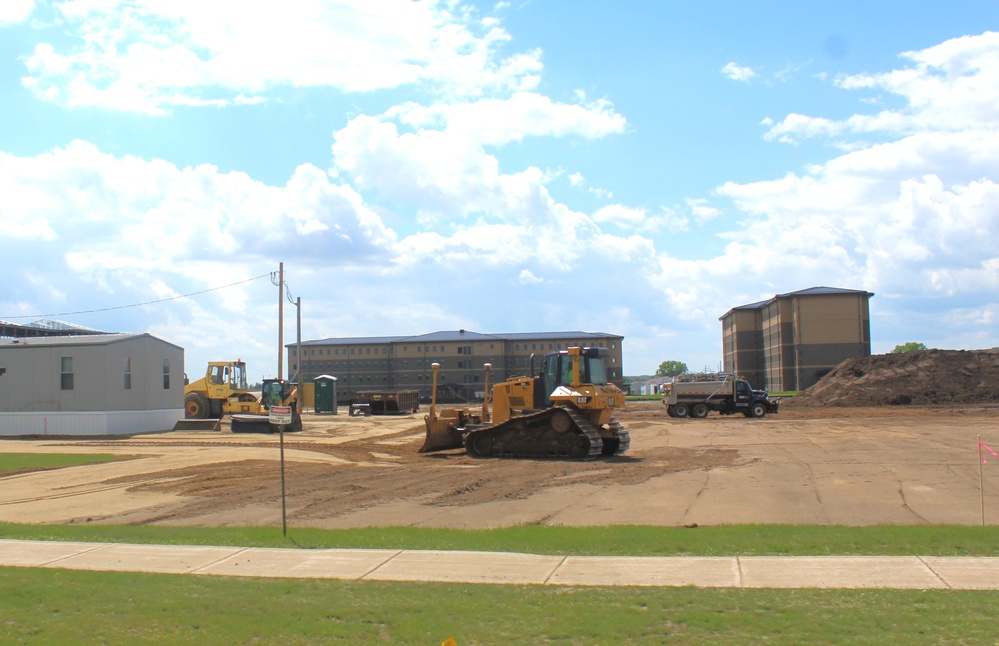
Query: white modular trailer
[[108, 384]]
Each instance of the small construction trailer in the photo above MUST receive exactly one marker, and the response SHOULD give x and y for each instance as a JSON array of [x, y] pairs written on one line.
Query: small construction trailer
[[389, 402]]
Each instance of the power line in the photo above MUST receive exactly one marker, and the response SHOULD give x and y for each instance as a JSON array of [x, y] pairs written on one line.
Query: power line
[[122, 307]]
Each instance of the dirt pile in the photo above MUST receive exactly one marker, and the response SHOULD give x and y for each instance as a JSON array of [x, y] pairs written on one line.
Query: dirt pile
[[919, 378]]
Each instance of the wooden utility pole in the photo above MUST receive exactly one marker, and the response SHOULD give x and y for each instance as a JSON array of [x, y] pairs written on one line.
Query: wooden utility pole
[[281, 322]]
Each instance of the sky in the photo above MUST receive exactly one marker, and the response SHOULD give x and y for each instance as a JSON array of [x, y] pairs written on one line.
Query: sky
[[633, 168]]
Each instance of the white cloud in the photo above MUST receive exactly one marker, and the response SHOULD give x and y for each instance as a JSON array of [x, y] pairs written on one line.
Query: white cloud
[[109, 212], [15, 11], [436, 156], [639, 219], [738, 72], [951, 87], [527, 277], [151, 56]]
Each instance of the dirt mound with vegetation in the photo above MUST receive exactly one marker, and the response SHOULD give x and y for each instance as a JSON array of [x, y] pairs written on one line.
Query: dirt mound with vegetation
[[921, 378]]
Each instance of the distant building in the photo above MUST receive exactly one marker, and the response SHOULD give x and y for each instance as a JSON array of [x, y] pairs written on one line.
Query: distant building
[[405, 362], [102, 384], [650, 386], [44, 327], [792, 340]]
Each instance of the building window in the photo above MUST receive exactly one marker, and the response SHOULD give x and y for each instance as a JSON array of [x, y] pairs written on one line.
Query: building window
[[128, 373], [66, 373], [166, 374]]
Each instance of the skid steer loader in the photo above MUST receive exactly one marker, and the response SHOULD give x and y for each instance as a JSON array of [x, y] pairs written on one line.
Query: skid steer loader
[[563, 411], [275, 394]]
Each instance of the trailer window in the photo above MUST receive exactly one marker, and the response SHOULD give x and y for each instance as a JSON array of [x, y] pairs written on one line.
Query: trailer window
[[66, 373]]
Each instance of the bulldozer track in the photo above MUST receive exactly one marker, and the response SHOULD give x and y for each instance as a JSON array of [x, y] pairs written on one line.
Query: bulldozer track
[[535, 436], [622, 435]]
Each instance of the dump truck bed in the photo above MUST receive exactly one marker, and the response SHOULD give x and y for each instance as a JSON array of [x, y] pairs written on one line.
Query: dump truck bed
[[389, 402]]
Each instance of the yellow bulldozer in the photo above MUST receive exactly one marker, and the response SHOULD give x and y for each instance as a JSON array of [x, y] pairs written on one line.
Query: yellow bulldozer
[[565, 410], [224, 391]]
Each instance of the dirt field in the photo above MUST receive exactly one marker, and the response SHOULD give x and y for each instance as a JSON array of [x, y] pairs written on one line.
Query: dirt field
[[816, 465]]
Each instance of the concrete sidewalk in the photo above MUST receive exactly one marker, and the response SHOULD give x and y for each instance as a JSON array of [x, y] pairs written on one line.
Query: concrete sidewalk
[[900, 572]]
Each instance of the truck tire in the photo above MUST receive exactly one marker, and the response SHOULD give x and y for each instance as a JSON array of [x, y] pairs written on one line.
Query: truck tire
[[680, 410], [757, 410], [195, 406], [699, 411]]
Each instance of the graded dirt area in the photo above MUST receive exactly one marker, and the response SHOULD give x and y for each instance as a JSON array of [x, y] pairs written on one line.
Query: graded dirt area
[[815, 465]]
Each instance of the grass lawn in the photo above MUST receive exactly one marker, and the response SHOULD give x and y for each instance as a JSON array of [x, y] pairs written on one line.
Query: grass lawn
[[66, 607], [14, 462], [619, 540]]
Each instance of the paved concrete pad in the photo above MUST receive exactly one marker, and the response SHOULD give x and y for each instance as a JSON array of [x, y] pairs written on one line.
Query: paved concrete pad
[[164, 559], [965, 572], [847, 572], [901, 572], [318, 564], [41, 553], [468, 567], [706, 572]]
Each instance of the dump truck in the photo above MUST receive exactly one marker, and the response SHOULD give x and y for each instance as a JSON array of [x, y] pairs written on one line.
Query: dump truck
[[564, 410], [695, 395]]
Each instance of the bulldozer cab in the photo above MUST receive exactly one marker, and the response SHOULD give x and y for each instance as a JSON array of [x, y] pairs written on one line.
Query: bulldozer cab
[[275, 392], [569, 368]]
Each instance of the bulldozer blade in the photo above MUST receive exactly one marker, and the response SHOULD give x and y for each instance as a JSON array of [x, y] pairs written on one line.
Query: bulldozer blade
[[250, 424], [197, 425], [441, 439]]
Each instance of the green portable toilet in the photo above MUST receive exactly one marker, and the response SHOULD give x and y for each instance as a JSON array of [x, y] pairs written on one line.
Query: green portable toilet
[[325, 396]]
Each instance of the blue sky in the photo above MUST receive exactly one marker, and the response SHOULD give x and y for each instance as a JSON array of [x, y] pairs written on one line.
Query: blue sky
[[634, 168]]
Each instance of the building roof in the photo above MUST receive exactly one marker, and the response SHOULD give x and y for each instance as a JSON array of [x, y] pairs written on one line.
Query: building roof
[[77, 340], [455, 335], [518, 336], [823, 291], [42, 328], [451, 335], [350, 340], [811, 291]]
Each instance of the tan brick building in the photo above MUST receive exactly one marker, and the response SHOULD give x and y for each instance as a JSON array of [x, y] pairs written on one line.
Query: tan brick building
[[404, 362], [790, 341]]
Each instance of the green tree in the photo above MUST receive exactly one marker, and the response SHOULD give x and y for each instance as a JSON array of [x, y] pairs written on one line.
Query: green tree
[[670, 368], [911, 346]]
